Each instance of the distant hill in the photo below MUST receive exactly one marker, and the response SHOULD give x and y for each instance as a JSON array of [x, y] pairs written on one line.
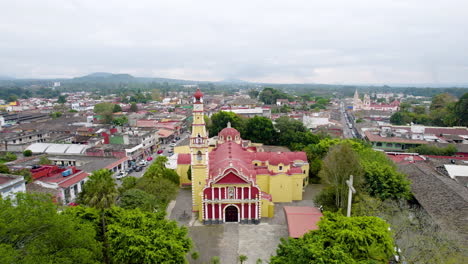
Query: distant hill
[[105, 77]]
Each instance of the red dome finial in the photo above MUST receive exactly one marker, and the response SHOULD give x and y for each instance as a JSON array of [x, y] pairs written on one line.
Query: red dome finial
[[198, 94]]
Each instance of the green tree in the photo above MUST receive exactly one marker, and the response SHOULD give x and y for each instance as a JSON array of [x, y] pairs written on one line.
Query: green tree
[[62, 99], [253, 93], [461, 110], [219, 122], [260, 129], [8, 157], [195, 255], [27, 153], [215, 260], [242, 258], [103, 108], [120, 121], [419, 109], [136, 198], [133, 107], [142, 237], [340, 162], [440, 101], [189, 173], [434, 150], [4, 169], [43, 160], [117, 108], [382, 178], [32, 231], [55, 115], [339, 239], [99, 191], [127, 184], [26, 173]]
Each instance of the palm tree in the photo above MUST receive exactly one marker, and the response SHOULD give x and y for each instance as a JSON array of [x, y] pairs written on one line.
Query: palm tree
[[242, 258], [100, 192]]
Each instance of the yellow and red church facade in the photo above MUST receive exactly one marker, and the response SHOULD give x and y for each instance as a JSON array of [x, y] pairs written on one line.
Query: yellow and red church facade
[[235, 181]]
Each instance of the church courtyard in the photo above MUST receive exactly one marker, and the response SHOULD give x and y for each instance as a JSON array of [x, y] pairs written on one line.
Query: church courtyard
[[230, 240]]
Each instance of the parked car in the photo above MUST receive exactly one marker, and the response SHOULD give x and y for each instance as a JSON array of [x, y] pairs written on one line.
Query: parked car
[[142, 163], [129, 170], [172, 145], [160, 151], [121, 175], [177, 138], [149, 158], [170, 151], [138, 168]]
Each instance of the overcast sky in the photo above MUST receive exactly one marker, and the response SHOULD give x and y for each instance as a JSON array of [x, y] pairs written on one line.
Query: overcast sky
[[295, 41]]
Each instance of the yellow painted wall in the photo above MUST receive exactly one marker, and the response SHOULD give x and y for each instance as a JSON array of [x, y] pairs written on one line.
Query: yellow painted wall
[[198, 176], [268, 208], [296, 186], [182, 171], [280, 188], [275, 168], [263, 183], [185, 149]]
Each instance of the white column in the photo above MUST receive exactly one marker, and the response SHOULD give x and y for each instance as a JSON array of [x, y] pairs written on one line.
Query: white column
[[242, 211], [242, 195], [219, 193], [249, 206], [221, 216], [212, 193], [213, 211], [225, 193]]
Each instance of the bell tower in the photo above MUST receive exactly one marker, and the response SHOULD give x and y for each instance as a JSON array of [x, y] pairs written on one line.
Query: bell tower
[[198, 151]]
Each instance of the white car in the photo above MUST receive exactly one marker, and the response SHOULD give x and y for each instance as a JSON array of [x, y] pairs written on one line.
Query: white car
[[143, 163], [173, 145], [121, 175]]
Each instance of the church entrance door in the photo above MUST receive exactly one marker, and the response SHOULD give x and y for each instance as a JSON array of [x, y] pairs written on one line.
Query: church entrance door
[[231, 214]]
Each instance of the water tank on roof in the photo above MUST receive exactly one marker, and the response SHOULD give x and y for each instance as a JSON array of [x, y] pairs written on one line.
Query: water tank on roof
[[67, 173]]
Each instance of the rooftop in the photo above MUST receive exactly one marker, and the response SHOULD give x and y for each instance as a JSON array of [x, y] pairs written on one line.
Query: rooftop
[[301, 220]]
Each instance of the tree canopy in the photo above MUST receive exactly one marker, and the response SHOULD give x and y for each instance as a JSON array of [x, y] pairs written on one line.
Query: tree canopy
[[339, 239], [270, 95], [32, 231], [219, 121], [99, 190]]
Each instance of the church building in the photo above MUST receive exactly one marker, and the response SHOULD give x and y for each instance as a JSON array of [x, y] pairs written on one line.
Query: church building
[[234, 180], [366, 104]]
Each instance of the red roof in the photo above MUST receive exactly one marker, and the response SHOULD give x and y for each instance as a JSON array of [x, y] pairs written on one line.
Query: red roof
[[301, 220], [70, 180], [114, 164], [184, 159], [229, 131]]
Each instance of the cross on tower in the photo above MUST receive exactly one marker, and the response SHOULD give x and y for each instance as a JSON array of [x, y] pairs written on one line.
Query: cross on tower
[[350, 194]]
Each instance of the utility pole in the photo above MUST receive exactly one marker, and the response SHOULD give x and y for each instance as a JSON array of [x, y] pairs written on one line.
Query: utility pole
[[350, 194]]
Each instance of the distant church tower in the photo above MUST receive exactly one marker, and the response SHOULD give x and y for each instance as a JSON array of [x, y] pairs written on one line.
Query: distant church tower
[[198, 151], [357, 103]]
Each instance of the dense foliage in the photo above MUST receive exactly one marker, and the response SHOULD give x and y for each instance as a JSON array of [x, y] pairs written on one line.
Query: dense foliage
[[434, 150], [32, 231], [339, 239], [270, 95], [445, 110]]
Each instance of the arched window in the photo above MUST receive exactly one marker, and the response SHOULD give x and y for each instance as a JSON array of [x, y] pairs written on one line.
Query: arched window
[[199, 156], [229, 138]]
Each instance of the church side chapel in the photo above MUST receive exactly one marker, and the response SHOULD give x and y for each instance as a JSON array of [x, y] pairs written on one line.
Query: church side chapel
[[236, 181]]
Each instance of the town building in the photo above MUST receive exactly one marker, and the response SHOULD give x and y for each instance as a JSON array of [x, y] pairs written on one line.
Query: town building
[[10, 185], [366, 104], [236, 181]]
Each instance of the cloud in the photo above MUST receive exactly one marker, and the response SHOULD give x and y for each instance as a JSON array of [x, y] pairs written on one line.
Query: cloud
[[337, 41]]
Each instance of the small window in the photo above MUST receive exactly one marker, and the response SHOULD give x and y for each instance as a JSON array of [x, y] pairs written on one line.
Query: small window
[[379, 144], [280, 168], [199, 156]]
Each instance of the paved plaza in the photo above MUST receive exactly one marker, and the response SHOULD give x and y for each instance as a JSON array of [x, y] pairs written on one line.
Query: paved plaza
[[230, 240]]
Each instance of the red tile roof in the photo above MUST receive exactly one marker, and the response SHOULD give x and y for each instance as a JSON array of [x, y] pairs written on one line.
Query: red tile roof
[[301, 219], [70, 180], [184, 159]]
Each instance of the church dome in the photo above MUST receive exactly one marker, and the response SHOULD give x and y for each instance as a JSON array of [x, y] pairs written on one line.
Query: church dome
[[198, 94], [229, 132]]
